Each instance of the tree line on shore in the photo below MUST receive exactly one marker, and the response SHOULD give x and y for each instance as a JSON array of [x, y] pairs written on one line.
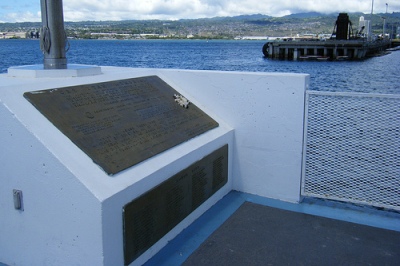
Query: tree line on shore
[[208, 28]]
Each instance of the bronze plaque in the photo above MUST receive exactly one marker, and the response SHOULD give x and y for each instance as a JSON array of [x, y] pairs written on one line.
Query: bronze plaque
[[121, 123], [148, 218]]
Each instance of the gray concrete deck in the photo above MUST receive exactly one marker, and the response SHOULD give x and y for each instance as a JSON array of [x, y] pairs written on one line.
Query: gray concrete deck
[[245, 229], [261, 235]]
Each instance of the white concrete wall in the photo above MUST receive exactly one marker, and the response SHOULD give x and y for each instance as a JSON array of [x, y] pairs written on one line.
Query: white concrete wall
[[53, 227], [96, 198], [266, 111], [178, 159], [73, 210]]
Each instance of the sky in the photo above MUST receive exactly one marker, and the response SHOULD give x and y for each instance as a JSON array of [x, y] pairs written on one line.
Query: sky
[[101, 10]]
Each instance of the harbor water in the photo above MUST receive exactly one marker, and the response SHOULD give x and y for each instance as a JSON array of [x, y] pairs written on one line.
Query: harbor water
[[372, 75]]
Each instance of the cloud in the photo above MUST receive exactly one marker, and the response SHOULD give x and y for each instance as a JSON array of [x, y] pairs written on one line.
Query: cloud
[[134, 9], [170, 9], [80, 10], [22, 17]]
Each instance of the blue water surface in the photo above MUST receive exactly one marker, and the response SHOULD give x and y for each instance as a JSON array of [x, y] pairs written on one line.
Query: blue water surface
[[373, 75]]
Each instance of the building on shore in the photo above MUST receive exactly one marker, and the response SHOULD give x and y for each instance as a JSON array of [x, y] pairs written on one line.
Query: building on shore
[[13, 35]]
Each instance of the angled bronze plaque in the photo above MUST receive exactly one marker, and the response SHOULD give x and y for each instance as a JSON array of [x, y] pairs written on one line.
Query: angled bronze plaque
[[121, 123], [148, 218]]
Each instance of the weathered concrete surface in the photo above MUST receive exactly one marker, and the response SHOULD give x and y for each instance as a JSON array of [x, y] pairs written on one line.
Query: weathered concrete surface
[[261, 235]]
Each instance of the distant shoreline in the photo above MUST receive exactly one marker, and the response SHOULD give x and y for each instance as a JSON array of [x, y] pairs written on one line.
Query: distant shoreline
[[207, 28]]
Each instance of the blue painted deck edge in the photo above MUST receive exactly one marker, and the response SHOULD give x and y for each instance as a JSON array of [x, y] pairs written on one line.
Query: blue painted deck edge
[[182, 246], [342, 211]]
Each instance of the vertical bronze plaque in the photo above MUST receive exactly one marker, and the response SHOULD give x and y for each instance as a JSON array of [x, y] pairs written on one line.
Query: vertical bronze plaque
[[121, 123], [148, 218]]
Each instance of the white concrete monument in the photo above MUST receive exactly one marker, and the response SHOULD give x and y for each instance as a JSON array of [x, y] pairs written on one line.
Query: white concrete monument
[[104, 166]]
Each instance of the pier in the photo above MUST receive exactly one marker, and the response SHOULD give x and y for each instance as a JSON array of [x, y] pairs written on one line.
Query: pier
[[342, 45], [324, 50]]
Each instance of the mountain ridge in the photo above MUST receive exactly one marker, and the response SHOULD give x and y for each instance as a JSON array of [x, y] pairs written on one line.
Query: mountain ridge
[[216, 27]]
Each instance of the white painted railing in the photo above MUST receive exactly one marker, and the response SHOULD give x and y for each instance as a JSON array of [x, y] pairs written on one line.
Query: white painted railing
[[352, 148]]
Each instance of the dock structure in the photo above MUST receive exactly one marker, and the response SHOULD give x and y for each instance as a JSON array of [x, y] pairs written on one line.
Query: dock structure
[[324, 50], [342, 45]]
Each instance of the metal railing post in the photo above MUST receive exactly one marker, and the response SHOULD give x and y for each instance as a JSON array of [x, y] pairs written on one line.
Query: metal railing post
[[53, 37]]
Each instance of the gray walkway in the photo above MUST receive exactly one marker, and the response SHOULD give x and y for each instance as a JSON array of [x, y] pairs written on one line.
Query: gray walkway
[[261, 235]]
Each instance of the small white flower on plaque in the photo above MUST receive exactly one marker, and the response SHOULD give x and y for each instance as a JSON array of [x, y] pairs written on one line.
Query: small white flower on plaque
[[182, 101]]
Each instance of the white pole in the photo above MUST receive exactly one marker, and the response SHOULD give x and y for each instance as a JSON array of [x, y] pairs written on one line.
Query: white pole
[[384, 22], [370, 22]]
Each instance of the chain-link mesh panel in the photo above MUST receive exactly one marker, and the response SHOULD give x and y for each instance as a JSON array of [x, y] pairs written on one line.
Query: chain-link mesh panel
[[352, 148]]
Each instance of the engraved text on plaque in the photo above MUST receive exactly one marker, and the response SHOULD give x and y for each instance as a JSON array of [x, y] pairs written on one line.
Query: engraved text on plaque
[[121, 123], [152, 215]]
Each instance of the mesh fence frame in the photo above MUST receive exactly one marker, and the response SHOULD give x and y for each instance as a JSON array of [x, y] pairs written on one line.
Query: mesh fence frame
[[352, 148]]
